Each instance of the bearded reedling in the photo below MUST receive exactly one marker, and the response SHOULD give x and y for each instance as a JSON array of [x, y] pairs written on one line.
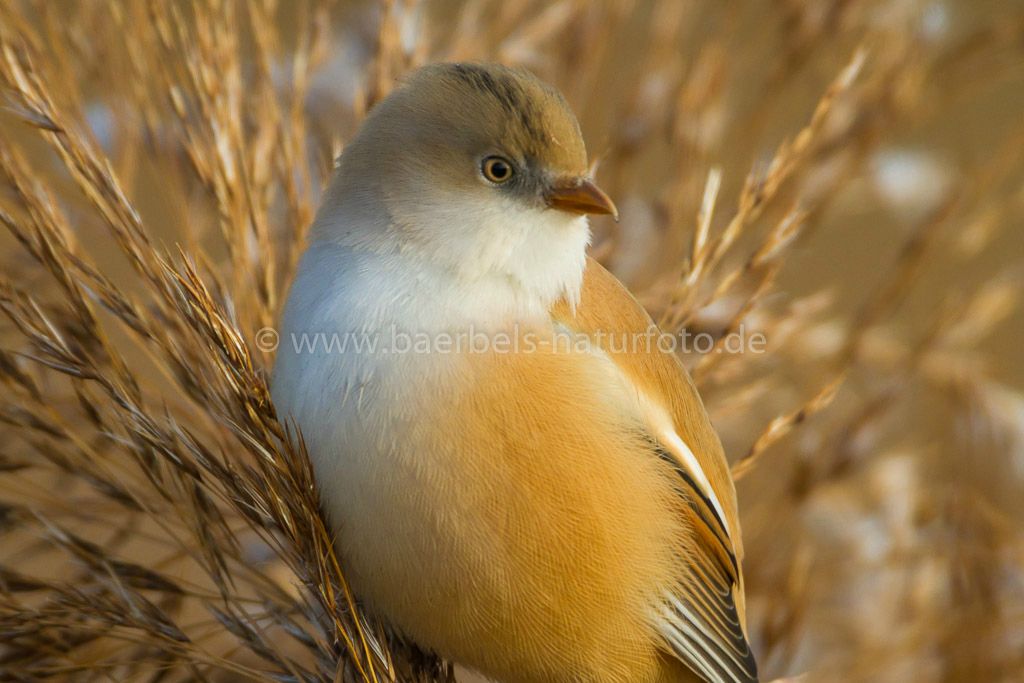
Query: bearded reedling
[[536, 511]]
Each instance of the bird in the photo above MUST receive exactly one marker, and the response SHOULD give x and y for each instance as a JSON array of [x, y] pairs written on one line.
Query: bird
[[518, 479]]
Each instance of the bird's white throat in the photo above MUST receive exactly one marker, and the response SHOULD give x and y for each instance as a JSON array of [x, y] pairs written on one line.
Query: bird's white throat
[[486, 268]]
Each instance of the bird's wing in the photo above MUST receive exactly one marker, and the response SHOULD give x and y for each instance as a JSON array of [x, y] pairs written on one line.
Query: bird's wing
[[703, 616]]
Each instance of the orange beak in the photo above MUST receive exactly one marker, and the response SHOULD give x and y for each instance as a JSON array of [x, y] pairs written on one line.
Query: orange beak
[[580, 195]]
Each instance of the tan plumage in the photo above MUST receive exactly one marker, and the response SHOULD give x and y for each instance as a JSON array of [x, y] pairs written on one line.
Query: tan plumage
[[545, 511], [607, 307]]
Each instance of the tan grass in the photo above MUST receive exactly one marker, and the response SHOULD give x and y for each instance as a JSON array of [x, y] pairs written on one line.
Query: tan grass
[[160, 163]]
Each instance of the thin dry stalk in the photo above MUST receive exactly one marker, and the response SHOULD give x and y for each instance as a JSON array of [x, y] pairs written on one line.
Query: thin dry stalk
[[838, 177]]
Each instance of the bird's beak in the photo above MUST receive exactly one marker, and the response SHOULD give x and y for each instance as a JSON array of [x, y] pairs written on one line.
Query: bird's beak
[[580, 195]]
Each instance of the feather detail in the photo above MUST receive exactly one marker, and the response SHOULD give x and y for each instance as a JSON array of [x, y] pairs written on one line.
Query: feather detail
[[702, 618]]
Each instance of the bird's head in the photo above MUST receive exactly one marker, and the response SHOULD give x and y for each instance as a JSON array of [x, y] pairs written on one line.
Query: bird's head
[[478, 167]]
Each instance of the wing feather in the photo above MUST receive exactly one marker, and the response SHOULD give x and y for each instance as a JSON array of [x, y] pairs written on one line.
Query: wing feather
[[701, 618]]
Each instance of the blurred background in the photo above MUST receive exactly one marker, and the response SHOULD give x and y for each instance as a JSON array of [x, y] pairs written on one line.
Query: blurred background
[[845, 177]]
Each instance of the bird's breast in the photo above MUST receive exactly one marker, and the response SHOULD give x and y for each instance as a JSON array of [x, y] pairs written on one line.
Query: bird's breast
[[485, 496]]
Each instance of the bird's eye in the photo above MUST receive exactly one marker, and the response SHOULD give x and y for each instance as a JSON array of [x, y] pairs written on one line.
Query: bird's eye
[[497, 169]]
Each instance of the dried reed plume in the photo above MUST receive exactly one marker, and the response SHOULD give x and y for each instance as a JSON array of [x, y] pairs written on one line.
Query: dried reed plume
[[842, 178]]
